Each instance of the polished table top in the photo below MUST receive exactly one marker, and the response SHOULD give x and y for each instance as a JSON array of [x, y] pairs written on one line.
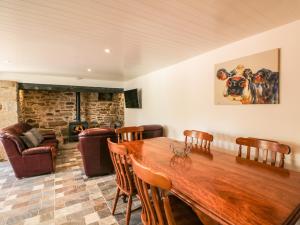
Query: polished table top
[[229, 189]]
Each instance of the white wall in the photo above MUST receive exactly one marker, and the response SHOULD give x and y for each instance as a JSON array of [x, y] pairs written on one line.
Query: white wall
[[62, 80], [182, 96]]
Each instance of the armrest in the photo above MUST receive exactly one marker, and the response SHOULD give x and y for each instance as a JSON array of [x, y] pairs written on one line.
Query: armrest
[[37, 150]]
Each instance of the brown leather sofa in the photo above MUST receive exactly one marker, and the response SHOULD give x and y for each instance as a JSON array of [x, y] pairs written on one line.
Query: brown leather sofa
[[27, 162], [94, 149]]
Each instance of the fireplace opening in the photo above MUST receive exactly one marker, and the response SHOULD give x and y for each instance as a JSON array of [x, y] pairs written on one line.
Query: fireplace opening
[[77, 126]]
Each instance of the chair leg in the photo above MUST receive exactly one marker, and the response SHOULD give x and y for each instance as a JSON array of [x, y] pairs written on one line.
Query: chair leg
[[116, 201], [128, 211]]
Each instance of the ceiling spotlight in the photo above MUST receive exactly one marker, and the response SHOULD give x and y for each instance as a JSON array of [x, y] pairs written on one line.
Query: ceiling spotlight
[[107, 50], [89, 70]]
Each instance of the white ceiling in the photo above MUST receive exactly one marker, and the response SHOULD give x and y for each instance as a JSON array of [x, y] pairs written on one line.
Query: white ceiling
[[65, 37]]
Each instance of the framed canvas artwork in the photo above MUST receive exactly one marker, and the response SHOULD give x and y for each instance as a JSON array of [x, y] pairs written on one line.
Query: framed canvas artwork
[[252, 79]]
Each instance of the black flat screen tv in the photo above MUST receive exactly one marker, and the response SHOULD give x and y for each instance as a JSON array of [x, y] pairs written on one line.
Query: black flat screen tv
[[132, 98]]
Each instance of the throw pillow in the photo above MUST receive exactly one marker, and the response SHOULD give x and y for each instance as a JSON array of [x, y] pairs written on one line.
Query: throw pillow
[[32, 138], [37, 134], [27, 142]]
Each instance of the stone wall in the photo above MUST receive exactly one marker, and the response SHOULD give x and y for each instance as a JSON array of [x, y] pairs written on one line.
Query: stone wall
[[8, 107], [102, 113], [50, 109]]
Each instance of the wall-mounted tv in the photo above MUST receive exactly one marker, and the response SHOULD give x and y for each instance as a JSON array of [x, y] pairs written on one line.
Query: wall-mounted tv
[[132, 98]]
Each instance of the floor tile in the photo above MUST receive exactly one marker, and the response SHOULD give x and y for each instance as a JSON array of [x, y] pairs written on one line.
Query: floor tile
[[65, 197], [91, 218]]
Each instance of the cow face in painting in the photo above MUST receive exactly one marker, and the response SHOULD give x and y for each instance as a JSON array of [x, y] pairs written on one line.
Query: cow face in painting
[[237, 83], [250, 88], [266, 84]]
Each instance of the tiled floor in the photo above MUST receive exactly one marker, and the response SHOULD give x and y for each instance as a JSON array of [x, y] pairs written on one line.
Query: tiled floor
[[66, 197]]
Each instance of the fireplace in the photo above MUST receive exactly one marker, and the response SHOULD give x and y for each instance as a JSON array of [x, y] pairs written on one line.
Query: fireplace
[[77, 126]]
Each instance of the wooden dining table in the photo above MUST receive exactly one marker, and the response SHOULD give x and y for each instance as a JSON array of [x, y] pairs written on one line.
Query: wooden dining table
[[226, 188]]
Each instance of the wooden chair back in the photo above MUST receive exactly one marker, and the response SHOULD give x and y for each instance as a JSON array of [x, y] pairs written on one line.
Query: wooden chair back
[[152, 189], [129, 133], [120, 158], [198, 138], [266, 150]]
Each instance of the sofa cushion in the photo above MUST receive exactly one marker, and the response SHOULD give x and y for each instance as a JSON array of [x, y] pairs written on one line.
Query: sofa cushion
[[37, 134], [32, 138], [27, 141]]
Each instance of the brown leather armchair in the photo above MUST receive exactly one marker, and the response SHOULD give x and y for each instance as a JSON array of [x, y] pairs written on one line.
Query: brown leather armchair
[[27, 162], [94, 150]]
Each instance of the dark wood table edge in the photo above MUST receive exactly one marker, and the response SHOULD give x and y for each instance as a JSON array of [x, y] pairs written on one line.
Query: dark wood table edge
[[293, 217], [291, 220], [196, 206]]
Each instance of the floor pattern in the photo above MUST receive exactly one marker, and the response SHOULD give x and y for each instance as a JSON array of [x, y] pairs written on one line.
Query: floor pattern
[[67, 197]]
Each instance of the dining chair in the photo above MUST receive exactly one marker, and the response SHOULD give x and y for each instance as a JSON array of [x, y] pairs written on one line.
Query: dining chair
[[124, 177], [198, 138], [158, 206], [266, 151], [129, 133]]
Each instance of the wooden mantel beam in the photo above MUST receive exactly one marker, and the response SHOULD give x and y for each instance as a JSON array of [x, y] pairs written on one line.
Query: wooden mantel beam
[[67, 88]]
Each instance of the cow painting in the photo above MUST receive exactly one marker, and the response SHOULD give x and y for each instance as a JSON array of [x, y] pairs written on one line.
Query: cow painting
[[250, 87]]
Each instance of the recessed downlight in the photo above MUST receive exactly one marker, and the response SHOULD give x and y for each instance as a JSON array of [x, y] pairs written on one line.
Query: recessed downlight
[[89, 69], [107, 50]]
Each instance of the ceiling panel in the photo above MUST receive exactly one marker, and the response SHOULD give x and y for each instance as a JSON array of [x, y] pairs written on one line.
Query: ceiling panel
[[64, 38]]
